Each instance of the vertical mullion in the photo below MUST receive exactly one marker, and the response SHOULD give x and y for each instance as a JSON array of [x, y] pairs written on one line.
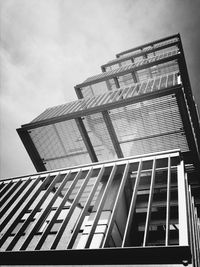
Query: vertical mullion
[[14, 197], [146, 231], [16, 221], [34, 211], [116, 204], [182, 211], [64, 200], [45, 212], [71, 210], [132, 206], [168, 202], [100, 206], [84, 211]]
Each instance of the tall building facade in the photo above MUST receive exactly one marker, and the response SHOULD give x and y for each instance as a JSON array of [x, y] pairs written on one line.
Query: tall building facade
[[118, 170]]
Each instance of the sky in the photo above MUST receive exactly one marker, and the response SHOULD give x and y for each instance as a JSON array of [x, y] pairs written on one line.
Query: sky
[[49, 46]]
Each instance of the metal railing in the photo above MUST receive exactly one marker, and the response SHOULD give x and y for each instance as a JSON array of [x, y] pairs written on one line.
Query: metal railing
[[139, 202]]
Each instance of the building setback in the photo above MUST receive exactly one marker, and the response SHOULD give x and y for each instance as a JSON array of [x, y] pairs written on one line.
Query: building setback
[[118, 170]]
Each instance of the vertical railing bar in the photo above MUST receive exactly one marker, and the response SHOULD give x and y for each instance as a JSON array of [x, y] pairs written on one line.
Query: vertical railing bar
[[15, 207], [135, 89], [10, 192], [2, 186], [192, 228], [45, 212], [159, 85], [125, 94], [147, 84], [13, 225], [108, 97], [6, 190], [103, 99], [174, 79], [58, 210], [182, 211], [84, 211], [71, 210], [168, 202], [100, 206], [149, 203], [188, 195], [116, 204], [94, 101], [196, 231], [153, 84], [34, 211], [167, 78], [132, 206], [198, 225], [14, 197]]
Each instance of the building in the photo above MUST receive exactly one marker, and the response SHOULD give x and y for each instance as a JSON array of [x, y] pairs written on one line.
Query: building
[[118, 177]]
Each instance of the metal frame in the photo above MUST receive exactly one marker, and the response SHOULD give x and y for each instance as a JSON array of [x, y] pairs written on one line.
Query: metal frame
[[140, 255], [31, 150], [104, 108], [140, 53], [147, 63], [148, 44], [109, 256]]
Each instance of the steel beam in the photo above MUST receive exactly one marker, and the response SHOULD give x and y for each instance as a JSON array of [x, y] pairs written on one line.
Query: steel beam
[[86, 139], [112, 133], [31, 150], [103, 256]]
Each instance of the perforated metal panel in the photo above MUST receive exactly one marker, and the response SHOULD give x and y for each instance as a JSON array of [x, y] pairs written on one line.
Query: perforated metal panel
[[60, 144], [153, 125]]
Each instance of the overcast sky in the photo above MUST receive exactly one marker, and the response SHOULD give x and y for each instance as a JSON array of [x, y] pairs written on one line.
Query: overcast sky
[[48, 46]]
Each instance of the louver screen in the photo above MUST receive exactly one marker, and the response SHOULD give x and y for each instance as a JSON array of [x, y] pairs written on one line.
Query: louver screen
[[134, 203]]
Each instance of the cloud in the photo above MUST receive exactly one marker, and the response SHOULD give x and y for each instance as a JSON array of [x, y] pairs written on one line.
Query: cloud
[[49, 46]]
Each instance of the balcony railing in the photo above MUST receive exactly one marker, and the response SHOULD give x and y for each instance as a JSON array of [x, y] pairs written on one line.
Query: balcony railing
[[137, 206]]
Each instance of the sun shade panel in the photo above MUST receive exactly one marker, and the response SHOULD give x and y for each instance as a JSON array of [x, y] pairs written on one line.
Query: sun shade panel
[[60, 144]]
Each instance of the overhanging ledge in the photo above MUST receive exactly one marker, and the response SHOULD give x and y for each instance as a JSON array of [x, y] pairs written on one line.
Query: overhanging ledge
[[129, 255]]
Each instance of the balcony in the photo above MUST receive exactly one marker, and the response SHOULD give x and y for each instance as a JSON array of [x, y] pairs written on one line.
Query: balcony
[[154, 115], [125, 211]]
